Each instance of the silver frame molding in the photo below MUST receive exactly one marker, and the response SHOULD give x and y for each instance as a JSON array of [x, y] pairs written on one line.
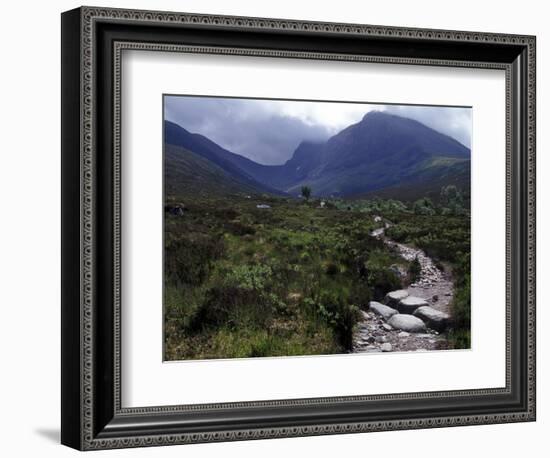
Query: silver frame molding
[[93, 417]]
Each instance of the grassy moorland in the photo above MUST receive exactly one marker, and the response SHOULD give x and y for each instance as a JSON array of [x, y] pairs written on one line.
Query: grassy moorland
[[242, 281]]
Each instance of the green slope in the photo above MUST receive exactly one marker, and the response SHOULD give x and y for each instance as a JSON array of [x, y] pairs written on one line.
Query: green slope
[[187, 173], [427, 181]]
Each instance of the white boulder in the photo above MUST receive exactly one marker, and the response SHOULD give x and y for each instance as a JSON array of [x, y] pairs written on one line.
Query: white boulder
[[392, 298], [433, 318], [383, 310], [407, 323], [410, 304]]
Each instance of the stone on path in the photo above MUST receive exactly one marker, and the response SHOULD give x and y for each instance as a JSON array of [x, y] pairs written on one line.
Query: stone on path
[[407, 323], [383, 310], [433, 318], [392, 298], [410, 304], [386, 326], [403, 334], [386, 347]]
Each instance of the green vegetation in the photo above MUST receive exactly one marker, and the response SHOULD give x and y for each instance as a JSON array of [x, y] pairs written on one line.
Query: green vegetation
[[414, 270], [452, 201], [287, 280], [306, 192], [291, 279], [424, 206], [460, 334]]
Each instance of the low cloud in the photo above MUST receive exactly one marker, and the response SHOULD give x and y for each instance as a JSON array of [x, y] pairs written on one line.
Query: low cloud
[[268, 131], [245, 127]]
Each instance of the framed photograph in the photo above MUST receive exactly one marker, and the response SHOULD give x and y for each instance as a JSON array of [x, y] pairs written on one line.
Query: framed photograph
[[278, 228]]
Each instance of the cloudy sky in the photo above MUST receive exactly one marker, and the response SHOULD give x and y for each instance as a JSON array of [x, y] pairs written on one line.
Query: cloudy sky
[[268, 131]]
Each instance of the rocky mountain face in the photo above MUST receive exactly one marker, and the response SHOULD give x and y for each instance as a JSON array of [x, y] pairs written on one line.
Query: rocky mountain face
[[381, 152]]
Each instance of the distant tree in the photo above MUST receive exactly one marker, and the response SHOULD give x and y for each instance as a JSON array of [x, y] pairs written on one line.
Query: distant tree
[[451, 200], [306, 192], [424, 206]]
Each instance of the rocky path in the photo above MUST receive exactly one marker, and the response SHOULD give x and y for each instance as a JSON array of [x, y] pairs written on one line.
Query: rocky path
[[414, 330], [374, 335], [433, 285]]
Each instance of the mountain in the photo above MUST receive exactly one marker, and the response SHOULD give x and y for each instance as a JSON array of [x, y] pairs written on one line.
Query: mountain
[[227, 161], [189, 173], [428, 182], [381, 152], [296, 169]]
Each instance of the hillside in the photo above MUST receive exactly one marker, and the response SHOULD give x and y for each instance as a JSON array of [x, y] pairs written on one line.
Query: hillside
[[176, 135], [427, 182], [382, 153], [188, 173]]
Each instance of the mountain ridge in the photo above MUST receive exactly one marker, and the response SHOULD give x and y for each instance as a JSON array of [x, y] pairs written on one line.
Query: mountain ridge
[[380, 151]]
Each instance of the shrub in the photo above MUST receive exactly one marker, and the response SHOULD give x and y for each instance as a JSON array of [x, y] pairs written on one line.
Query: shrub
[[332, 269], [360, 294], [188, 261], [459, 335], [238, 228], [459, 339], [452, 201], [414, 270], [340, 315], [249, 251], [249, 277], [226, 214], [424, 206], [382, 281], [380, 277], [232, 307], [461, 305], [242, 298], [261, 348]]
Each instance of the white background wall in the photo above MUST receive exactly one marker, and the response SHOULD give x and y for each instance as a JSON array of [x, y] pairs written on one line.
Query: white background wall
[[30, 240]]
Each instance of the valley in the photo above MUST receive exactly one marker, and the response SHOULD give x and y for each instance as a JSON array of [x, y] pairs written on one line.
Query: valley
[[302, 258], [380, 154]]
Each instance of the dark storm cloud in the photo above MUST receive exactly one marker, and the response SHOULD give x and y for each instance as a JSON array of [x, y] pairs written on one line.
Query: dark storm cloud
[[268, 131], [256, 129]]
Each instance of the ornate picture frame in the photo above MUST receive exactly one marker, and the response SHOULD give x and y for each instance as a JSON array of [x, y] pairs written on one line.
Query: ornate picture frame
[[93, 416]]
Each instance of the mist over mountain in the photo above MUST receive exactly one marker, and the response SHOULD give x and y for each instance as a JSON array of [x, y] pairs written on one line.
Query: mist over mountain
[[381, 152]]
